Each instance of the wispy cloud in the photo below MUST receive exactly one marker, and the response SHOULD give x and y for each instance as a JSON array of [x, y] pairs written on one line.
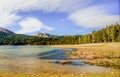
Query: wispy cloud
[[7, 18], [10, 8], [81, 12], [29, 25], [94, 16]]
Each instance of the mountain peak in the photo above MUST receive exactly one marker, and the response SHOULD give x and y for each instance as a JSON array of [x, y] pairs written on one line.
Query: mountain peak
[[43, 35], [6, 30]]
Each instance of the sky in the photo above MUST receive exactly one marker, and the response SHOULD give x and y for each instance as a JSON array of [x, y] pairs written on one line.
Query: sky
[[58, 17]]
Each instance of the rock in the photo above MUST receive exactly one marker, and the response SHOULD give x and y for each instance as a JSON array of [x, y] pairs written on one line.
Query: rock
[[45, 35], [63, 62]]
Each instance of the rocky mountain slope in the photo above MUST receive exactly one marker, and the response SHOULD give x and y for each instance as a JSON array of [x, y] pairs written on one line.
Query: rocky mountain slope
[[6, 30], [45, 35]]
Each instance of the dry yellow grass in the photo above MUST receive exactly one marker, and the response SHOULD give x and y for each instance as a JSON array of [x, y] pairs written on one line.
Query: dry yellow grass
[[114, 73], [95, 53], [104, 54]]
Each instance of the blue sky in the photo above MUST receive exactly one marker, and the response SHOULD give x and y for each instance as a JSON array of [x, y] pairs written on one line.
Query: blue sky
[[58, 17]]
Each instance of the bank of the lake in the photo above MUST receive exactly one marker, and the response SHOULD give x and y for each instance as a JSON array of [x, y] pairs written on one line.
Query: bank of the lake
[[101, 54], [33, 66]]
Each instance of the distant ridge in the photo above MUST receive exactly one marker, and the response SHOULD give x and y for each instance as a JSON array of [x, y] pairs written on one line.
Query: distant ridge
[[109, 34], [45, 35], [6, 30]]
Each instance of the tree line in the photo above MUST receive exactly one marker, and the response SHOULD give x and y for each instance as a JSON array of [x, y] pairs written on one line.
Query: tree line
[[109, 34]]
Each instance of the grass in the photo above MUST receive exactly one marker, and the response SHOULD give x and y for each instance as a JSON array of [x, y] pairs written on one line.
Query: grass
[[114, 73], [104, 54]]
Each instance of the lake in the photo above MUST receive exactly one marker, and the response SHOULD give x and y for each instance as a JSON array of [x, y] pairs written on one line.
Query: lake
[[27, 59]]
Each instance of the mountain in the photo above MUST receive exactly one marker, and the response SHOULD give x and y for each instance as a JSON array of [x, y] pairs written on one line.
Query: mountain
[[6, 31], [45, 35], [109, 34]]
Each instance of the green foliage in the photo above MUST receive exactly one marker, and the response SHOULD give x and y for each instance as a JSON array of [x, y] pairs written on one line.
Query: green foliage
[[109, 34]]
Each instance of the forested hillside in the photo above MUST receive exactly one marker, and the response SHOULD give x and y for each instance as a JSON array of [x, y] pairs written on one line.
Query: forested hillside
[[20, 39], [109, 34]]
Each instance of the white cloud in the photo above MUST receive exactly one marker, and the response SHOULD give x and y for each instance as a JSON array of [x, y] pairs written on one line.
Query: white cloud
[[10, 8], [29, 25], [87, 17], [6, 18], [95, 16]]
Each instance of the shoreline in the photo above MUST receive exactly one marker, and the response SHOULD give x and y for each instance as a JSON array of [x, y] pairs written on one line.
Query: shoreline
[[68, 44], [104, 53], [101, 54]]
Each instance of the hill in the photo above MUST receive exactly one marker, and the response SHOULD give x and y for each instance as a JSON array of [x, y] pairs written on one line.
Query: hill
[[6, 31], [109, 34]]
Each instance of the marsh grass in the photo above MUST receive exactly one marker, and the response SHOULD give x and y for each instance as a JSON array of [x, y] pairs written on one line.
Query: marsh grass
[[113, 73], [105, 54]]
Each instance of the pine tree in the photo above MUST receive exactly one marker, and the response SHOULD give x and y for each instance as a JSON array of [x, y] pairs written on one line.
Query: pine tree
[[104, 36], [94, 39]]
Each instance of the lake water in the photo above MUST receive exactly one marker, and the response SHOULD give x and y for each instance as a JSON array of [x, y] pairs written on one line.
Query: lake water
[[30, 58], [23, 51]]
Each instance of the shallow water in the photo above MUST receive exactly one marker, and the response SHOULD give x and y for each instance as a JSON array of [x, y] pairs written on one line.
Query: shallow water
[[23, 51], [31, 58]]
